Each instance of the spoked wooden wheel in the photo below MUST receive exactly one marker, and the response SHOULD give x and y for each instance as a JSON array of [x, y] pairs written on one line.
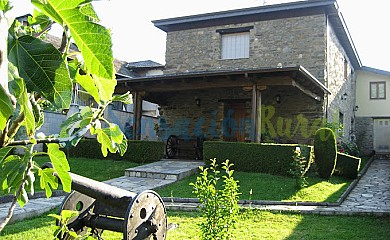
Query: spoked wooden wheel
[[171, 147], [76, 201], [199, 148]]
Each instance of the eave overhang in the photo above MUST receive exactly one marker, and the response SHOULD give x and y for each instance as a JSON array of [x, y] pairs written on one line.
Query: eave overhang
[[296, 76], [237, 16]]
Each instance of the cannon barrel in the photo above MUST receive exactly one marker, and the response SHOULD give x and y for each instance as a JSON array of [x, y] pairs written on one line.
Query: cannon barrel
[[103, 192], [105, 207]]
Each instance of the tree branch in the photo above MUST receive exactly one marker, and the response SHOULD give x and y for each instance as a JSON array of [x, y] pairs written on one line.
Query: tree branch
[[65, 41], [21, 187], [44, 30], [27, 142], [3, 135], [15, 126]]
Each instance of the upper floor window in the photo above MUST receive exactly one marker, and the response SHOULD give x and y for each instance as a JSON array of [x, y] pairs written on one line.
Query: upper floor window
[[235, 45], [346, 69], [235, 42], [377, 90]]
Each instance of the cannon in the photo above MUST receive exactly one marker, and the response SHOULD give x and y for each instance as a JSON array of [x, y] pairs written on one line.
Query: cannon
[[105, 207]]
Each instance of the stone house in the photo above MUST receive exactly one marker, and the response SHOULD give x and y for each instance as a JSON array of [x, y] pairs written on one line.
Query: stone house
[[273, 72], [373, 110]]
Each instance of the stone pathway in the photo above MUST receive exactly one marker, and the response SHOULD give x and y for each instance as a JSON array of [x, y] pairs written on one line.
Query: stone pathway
[[372, 193], [370, 196], [33, 208]]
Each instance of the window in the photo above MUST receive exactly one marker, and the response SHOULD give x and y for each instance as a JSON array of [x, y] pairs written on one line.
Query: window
[[235, 42], [345, 69], [377, 90], [235, 45], [341, 119], [341, 124]]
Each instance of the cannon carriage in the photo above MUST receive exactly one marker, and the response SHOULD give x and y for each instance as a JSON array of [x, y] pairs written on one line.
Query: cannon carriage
[[105, 207]]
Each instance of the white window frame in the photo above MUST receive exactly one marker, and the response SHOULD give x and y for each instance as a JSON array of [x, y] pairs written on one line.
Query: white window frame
[[235, 45]]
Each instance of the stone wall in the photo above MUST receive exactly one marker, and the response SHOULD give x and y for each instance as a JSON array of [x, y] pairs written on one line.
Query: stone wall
[[51, 126], [365, 134], [290, 41], [309, 41], [339, 81], [297, 117], [52, 123], [294, 119], [125, 120], [181, 116]]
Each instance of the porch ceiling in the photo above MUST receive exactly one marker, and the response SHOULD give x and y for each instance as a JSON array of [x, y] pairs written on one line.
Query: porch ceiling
[[291, 76]]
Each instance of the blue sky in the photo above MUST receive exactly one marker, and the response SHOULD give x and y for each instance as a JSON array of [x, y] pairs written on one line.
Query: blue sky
[[135, 38]]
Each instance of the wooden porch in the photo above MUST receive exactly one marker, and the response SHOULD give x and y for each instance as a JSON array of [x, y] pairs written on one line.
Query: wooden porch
[[254, 81]]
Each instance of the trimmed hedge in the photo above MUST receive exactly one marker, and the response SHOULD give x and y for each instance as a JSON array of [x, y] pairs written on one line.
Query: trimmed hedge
[[274, 159], [325, 151], [137, 151], [347, 166]]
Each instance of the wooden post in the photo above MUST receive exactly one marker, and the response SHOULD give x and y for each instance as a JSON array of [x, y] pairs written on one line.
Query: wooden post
[[258, 120], [137, 115], [256, 113]]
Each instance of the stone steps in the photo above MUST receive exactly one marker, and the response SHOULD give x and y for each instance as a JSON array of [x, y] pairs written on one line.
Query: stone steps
[[166, 169]]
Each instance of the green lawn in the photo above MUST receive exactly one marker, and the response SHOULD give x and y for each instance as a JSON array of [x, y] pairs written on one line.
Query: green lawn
[[270, 187], [252, 224], [97, 169], [263, 186]]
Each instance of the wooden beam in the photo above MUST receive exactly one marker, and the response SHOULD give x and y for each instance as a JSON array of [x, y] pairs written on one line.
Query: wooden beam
[[258, 122], [254, 113], [121, 89], [275, 81], [209, 83], [193, 85], [261, 87], [307, 91]]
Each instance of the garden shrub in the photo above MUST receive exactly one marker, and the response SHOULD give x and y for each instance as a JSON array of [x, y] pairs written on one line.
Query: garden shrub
[[137, 151], [219, 204], [347, 166], [325, 150], [348, 147], [274, 159], [298, 169]]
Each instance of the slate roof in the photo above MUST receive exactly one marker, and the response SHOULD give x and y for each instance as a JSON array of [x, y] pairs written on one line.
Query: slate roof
[[144, 65], [122, 70]]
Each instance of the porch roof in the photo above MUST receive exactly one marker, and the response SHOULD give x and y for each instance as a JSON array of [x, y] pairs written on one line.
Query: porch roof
[[296, 76]]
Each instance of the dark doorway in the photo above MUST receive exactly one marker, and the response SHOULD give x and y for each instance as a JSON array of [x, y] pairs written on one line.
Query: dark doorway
[[234, 122]]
